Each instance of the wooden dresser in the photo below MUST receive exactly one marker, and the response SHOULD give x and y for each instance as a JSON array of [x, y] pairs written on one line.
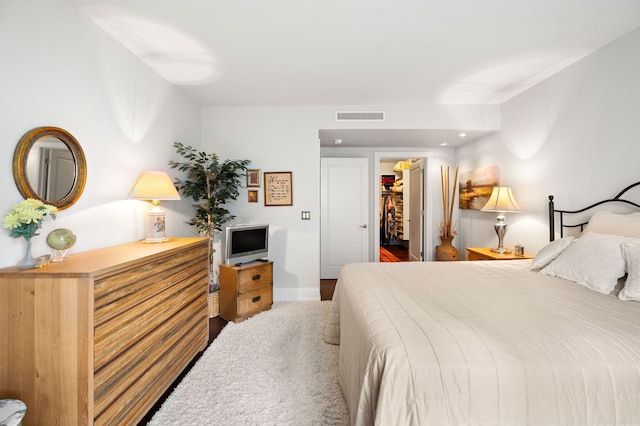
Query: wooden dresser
[[98, 338], [245, 290]]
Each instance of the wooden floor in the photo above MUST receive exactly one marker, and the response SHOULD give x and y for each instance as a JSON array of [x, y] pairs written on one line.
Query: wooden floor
[[326, 289], [392, 253]]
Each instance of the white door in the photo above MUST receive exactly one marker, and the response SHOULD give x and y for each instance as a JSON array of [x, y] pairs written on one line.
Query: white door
[[344, 233], [62, 171], [416, 211]]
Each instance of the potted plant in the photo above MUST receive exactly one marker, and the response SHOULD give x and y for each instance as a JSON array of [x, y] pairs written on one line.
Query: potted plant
[[212, 184]]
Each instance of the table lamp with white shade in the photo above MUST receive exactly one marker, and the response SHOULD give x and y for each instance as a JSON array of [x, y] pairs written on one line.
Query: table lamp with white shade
[[154, 186], [501, 201]]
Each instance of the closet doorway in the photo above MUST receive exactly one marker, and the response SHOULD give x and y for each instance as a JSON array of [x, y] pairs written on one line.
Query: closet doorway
[[399, 207]]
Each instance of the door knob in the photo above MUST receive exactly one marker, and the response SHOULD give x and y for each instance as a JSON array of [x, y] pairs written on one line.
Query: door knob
[[364, 226]]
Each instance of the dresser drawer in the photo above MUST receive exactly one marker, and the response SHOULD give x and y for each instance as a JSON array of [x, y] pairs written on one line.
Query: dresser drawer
[[255, 277]]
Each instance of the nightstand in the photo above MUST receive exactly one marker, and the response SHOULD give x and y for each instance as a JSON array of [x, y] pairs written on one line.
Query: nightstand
[[245, 290], [485, 253]]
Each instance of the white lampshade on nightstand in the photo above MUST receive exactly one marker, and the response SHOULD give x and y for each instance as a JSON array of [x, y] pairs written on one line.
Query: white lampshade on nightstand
[[155, 187], [501, 201]]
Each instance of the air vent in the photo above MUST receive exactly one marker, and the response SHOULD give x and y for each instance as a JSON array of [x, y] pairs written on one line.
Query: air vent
[[360, 116]]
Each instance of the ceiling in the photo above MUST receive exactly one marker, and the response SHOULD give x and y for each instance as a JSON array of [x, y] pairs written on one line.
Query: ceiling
[[360, 52], [407, 138]]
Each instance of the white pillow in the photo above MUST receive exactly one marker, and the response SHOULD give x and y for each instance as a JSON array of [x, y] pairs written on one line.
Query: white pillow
[[550, 252], [593, 260], [631, 255], [627, 225]]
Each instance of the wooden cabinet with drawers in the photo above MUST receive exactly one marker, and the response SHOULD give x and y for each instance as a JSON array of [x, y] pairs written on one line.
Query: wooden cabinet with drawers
[[245, 290], [98, 338]]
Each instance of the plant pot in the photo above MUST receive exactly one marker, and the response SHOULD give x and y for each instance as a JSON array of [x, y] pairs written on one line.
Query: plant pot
[[445, 251], [214, 304]]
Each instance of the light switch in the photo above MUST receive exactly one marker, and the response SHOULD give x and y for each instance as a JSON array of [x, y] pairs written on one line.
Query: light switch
[[306, 215]]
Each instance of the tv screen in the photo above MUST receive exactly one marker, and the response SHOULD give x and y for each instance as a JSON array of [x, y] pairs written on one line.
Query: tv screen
[[246, 243]]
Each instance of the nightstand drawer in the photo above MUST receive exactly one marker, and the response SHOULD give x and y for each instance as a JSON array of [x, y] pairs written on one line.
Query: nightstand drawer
[[256, 300], [255, 277]]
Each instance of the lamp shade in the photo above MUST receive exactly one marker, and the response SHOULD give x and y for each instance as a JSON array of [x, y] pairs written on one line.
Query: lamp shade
[[501, 200], [154, 186]]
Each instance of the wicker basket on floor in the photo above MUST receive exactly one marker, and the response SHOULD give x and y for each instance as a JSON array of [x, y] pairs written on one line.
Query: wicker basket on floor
[[214, 304]]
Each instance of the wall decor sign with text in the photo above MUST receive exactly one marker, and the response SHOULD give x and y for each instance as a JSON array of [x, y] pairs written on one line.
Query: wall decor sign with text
[[278, 189]]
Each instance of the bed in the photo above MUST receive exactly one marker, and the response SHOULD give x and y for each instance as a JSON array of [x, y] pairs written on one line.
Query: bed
[[553, 340]]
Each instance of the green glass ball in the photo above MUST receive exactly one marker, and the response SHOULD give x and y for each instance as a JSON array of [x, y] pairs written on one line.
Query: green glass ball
[[61, 239]]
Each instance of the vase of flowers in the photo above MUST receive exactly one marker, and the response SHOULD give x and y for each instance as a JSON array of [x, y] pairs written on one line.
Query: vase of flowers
[[23, 221]]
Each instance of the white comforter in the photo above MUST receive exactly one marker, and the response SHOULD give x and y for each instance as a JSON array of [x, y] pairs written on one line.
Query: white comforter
[[482, 343]]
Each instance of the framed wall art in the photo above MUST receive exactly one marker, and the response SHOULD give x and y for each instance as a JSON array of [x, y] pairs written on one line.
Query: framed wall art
[[475, 186], [278, 190], [253, 196], [253, 178]]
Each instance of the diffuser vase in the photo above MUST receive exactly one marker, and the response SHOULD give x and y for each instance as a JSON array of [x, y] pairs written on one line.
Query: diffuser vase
[[445, 251], [27, 262]]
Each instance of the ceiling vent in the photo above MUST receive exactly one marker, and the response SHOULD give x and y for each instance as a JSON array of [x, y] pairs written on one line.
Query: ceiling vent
[[359, 116]]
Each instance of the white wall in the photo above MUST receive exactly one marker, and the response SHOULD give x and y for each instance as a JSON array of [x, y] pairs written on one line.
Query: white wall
[[573, 136], [286, 139], [59, 69]]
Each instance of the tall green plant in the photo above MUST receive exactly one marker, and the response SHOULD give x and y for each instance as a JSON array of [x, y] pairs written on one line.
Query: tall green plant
[[212, 184]]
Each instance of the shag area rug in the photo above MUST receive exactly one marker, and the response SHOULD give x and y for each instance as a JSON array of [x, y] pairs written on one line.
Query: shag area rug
[[272, 369]]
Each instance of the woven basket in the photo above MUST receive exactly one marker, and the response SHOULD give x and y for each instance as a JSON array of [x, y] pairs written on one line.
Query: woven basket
[[214, 304]]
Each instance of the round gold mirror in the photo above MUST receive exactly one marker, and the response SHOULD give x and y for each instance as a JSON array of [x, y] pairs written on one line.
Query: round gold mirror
[[49, 165]]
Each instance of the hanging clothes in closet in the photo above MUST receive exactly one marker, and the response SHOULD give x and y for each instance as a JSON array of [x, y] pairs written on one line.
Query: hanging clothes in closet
[[388, 230]]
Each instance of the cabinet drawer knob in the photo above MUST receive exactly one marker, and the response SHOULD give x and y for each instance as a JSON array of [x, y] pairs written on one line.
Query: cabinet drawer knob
[[256, 299], [256, 277]]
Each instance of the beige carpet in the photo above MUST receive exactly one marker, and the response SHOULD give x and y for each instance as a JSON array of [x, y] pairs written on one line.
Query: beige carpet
[[273, 369]]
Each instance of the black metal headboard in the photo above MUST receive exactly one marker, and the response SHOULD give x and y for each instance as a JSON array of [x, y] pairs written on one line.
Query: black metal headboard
[[553, 211]]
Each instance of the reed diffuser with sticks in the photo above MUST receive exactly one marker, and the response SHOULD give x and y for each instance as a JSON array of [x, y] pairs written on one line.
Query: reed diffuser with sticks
[[448, 200], [446, 251]]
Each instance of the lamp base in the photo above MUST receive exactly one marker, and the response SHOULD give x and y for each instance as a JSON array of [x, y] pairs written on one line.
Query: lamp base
[[501, 229], [155, 226], [153, 241], [501, 250]]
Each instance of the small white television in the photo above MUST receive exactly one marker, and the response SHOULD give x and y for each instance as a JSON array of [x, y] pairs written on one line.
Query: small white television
[[245, 243]]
